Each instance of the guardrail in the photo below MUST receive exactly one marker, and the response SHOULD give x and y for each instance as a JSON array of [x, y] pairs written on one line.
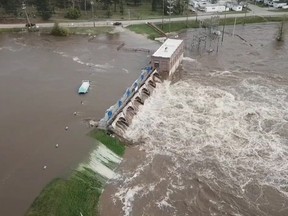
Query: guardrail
[[114, 110]]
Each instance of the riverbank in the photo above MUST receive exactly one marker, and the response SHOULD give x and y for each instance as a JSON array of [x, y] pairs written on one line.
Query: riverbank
[[144, 29], [178, 26], [71, 30], [79, 194]]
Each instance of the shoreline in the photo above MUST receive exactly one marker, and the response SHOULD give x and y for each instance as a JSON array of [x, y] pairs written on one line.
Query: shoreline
[[80, 192]]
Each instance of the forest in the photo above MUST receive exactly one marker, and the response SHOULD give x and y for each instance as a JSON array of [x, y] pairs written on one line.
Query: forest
[[74, 9]]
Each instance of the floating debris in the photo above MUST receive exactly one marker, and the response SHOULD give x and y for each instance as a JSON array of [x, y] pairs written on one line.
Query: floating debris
[[57, 145], [93, 123], [66, 128]]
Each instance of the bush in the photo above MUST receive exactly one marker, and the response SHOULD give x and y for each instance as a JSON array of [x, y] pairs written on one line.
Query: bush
[[59, 31], [73, 13]]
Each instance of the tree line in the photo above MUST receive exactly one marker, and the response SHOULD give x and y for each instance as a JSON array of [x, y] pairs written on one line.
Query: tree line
[[46, 8]]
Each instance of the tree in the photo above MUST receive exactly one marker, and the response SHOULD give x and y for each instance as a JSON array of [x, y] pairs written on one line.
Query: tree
[[121, 6], [44, 9], [179, 7], [10, 6], [154, 5], [73, 13]]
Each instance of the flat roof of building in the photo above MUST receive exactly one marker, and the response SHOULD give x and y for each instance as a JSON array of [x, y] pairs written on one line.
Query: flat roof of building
[[168, 48]]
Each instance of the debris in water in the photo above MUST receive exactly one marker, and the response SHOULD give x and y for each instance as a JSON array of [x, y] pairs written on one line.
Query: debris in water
[[44, 167], [93, 123], [66, 128], [75, 113], [57, 145]]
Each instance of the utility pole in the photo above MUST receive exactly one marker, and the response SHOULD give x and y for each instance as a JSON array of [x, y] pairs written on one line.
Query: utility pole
[[245, 14], [187, 10], [234, 26], [163, 14], [27, 18], [224, 24], [170, 7], [92, 10]]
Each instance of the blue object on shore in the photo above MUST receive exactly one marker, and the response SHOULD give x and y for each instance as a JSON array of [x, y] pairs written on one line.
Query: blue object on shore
[[84, 87]]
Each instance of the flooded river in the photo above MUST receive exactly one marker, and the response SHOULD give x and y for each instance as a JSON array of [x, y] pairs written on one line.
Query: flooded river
[[215, 142], [39, 79]]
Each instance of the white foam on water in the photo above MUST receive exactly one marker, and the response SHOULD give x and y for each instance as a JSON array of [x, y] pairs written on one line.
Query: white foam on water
[[189, 59], [238, 128], [125, 70], [11, 49], [128, 196], [105, 66], [99, 67]]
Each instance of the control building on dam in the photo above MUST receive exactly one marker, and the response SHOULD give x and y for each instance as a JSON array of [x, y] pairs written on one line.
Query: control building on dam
[[164, 63]]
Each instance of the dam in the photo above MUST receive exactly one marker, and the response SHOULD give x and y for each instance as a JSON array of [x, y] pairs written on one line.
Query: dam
[[164, 63]]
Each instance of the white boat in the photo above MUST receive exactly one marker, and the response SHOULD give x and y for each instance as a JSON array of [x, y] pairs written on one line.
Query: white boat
[[84, 87]]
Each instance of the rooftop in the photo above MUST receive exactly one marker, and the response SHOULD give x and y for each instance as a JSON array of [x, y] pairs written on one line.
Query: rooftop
[[167, 48]]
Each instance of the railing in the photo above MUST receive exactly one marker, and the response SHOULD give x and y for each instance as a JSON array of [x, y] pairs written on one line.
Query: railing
[[114, 110]]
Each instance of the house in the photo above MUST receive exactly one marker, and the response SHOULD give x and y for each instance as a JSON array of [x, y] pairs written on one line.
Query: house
[[279, 3], [214, 8]]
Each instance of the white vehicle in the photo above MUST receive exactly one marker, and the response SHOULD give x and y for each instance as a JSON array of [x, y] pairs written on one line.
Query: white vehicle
[[237, 8], [279, 4]]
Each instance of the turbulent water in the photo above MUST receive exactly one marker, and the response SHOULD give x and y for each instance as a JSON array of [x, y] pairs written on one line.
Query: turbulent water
[[215, 141]]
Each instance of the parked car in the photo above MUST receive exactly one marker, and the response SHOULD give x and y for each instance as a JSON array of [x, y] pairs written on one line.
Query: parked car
[[117, 23]]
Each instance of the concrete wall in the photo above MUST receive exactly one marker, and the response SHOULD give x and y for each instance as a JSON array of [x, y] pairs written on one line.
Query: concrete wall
[[164, 65]]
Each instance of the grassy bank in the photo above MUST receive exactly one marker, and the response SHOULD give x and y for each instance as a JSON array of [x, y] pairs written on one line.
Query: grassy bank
[[79, 193], [90, 30], [71, 30], [6, 30], [182, 25], [110, 142]]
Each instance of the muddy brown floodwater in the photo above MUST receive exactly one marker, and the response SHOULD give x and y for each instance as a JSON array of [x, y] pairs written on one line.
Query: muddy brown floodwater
[[39, 79], [215, 141]]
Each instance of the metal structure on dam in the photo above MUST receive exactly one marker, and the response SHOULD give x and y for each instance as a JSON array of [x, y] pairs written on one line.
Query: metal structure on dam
[[164, 62]]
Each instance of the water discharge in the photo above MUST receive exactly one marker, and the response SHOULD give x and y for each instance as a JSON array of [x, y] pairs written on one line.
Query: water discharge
[[215, 142]]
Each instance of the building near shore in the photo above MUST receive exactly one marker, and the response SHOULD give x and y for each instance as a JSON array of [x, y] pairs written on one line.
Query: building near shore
[[168, 57]]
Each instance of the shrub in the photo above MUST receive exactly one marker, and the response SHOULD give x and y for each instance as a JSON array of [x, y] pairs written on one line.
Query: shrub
[[59, 31], [73, 13]]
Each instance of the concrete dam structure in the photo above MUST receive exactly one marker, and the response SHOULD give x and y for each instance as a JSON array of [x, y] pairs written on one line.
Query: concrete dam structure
[[164, 63]]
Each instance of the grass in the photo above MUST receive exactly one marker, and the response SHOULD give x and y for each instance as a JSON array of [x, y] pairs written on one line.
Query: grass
[[181, 25], [145, 30], [92, 30], [5, 30], [80, 193], [111, 143]]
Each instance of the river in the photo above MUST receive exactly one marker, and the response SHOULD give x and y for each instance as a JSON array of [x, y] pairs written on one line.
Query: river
[[215, 140], [39, 79]]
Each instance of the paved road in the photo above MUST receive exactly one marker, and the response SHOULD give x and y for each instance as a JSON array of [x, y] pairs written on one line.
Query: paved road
[[255, 11]]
